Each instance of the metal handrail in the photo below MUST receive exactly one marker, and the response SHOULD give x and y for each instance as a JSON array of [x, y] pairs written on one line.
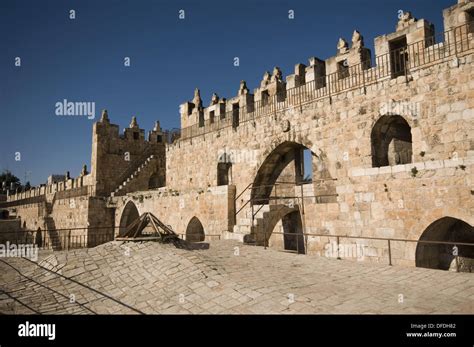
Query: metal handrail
[[181, 235], [389, 240], [252, 187], [363, 74]]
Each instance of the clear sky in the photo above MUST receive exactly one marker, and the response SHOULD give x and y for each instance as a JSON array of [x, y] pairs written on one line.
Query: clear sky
[[83, 60]]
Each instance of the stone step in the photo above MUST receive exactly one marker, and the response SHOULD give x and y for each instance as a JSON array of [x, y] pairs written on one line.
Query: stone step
[[134, 175], [244, 221], [242, 229], [233, 236]]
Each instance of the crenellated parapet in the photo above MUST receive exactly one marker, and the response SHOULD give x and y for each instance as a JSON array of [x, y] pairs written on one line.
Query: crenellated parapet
[[347, 57], [61, 185], [409, 31], [271, 85], [412, 45], [133, 134], [115, 154]]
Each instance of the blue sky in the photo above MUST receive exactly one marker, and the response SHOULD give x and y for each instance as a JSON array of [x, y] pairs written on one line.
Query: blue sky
[[82, 60]]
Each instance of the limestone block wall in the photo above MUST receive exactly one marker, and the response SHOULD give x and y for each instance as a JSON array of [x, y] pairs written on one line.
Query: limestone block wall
[[70, 213], [212, 206], [151, 173], [437, 103], [31, 215], [115, 157], [100, 221]]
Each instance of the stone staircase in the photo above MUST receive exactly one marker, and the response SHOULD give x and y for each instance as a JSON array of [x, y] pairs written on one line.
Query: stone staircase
[[244, 223], [266, 218], [129, 182]]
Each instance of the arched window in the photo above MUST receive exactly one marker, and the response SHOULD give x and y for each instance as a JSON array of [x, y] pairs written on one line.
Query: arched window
[[224, 173], [391, 142], [195, 231]]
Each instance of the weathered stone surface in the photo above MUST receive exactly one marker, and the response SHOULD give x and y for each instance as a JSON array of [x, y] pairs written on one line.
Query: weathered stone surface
[[365, 177], [158, 278]]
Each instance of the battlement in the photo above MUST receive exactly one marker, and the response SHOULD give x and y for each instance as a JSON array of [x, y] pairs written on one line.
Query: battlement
[[115, 156], [130, 135], [67, 187], [413, 45]]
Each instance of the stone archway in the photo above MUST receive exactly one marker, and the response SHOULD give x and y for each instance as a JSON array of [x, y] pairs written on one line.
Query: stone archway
[[441, 256], [286, 163], [195, 231], [391, 141], [271, 170], [129, 215]]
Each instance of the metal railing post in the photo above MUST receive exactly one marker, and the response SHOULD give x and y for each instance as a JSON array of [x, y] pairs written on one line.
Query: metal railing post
[[389, 253], [456, 257], [297, 243], [264, 234]]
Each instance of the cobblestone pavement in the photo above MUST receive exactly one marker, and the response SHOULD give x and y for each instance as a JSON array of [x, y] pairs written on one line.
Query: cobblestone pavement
[[226, 278]]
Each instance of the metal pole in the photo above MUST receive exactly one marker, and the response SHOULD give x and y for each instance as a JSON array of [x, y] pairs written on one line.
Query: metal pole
[[455, 43], [338, 257], [264, 234], [297, 243], [389, 253], [69, 239], [303, 222], [457, 260], [251, 205]]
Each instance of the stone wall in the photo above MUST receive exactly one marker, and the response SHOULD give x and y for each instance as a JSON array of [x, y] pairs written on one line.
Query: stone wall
[[115, 157], [392, 201], [212, 206], [31, 215], [392, 150]]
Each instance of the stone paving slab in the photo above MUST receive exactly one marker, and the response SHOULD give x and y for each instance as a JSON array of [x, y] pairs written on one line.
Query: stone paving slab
[[153, 278]]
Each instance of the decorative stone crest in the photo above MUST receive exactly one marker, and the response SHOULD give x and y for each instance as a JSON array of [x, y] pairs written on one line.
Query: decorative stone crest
[[134, 123], [243, 88], [214, 99], [197, 101], [357, 40], [266, 79], [104, 118], [405, 20], [342, 46], [277, 75]]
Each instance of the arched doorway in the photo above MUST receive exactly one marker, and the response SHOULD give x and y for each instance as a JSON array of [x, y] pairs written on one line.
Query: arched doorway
[[293, 238], [129, 215], [391, 141], [195, 231], [441, 256]]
